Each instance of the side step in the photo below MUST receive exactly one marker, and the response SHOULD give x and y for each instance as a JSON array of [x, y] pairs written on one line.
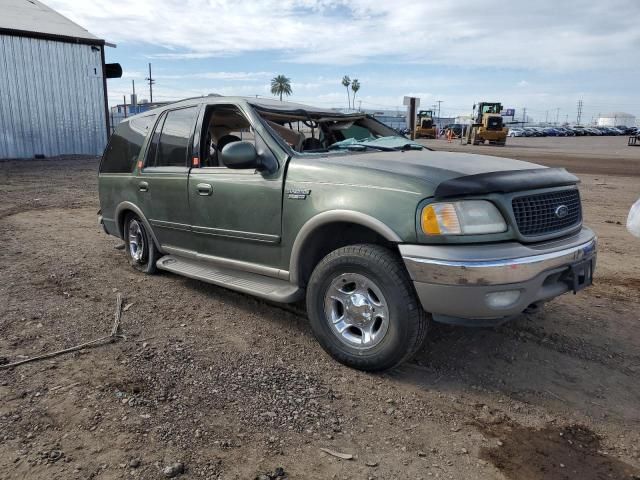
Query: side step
[[258, 285]]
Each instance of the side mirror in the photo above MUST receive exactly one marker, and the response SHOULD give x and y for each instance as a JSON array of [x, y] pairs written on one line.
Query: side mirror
[[240, 155]]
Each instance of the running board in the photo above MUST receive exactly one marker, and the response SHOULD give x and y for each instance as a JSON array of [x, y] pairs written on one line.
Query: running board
[[252, 283]]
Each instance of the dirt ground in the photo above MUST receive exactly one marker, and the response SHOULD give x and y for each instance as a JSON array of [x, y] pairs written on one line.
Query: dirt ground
[[235, 388], [595, 155]]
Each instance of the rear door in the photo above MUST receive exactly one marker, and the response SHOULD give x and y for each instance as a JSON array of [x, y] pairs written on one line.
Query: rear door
[[163, 179]]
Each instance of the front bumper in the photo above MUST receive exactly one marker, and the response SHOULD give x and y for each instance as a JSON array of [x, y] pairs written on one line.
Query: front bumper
[[455, 282]]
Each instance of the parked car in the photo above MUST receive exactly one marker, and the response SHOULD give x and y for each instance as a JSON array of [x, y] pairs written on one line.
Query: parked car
[[554, 132], [517, 132], [594, 131], [608, 131], [286, 201], [535, 132], [568, 132]]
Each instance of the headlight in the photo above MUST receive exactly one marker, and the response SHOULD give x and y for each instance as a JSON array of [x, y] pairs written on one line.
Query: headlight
[[467, 217]]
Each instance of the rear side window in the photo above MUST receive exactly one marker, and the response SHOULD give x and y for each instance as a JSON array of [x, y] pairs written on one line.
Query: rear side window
[[171, 147], [125, 145]]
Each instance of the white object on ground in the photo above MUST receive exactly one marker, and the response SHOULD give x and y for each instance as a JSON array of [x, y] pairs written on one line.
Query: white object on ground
[[633, 222]]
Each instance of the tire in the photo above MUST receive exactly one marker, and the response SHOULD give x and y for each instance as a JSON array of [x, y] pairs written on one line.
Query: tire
[[355, 284], [140, 248]]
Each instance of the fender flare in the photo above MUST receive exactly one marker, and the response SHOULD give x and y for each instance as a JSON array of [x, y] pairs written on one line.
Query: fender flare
[[121, 209], [333, 216]]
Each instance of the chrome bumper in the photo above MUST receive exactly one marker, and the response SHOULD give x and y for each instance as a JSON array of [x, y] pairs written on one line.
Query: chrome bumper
[[454, 280]]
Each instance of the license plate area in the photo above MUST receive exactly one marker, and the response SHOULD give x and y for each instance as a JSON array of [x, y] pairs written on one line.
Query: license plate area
[[580, 274]]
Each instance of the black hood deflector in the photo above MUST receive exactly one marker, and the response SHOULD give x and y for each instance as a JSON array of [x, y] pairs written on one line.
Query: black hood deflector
[[505, 182]]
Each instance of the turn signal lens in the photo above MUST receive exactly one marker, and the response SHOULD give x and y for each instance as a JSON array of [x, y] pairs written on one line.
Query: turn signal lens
[[440, 219]]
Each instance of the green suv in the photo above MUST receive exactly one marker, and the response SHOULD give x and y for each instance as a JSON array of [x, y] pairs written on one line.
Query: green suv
[[381, 235]]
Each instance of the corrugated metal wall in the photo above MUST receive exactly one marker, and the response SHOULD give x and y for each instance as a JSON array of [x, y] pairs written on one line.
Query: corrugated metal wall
[[51, 98]]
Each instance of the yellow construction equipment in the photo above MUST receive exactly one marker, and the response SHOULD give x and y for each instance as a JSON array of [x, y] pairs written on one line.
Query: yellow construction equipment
[[425, 127], [487, 125]]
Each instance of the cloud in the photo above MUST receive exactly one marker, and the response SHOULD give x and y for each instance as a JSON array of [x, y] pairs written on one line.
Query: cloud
[[549, 35]]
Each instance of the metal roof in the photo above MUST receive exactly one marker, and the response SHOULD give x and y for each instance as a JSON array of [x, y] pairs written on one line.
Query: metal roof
[[32, 18]]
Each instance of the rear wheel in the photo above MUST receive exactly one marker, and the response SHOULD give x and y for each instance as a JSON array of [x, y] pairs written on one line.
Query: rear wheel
[[140, 249], [363, 308]]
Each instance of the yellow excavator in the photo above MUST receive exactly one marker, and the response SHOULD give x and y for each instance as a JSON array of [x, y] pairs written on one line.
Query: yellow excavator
[[487, 125], [425, 127]]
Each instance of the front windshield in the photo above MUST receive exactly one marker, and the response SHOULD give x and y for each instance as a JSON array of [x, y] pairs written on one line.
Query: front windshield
[[316, 133]]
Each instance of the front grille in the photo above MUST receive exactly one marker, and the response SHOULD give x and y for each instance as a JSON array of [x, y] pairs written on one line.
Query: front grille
[[537, 214]]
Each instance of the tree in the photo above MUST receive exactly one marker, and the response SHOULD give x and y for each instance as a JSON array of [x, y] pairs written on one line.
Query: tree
[[346, 81], [281, 85], [355, 86]]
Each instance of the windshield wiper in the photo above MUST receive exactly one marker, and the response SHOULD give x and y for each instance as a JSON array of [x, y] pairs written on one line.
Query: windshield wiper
[[362, 146], [410, 146]]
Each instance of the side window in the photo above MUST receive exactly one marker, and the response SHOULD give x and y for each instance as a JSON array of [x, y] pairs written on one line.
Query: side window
[[125, 145], [223, 124], [170, 147]]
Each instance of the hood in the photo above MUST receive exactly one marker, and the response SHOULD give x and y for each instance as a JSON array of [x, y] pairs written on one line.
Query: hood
[[423, 171]]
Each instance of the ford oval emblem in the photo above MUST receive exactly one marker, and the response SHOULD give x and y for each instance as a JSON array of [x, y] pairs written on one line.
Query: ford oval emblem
[[562, 211]]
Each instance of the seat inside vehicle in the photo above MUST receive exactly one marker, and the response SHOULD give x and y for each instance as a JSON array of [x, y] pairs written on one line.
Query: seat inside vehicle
[[223, 125]]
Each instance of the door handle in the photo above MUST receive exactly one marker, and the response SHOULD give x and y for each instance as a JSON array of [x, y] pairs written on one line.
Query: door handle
[[204, 189], [143, 186]]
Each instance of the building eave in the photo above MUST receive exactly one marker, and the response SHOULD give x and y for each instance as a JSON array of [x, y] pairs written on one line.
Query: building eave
[[52, 37]]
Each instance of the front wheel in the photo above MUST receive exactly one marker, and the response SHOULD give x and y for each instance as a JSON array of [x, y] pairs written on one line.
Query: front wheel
[[363, 308]]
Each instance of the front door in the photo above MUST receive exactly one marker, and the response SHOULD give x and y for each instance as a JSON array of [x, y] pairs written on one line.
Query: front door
[[163, 180], [236, 214]]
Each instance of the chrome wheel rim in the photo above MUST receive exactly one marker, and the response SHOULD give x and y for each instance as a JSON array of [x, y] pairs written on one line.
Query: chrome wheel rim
[[136, 241], [357, 311]]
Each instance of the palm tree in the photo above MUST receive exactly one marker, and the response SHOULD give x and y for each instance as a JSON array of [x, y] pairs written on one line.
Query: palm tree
[[346, 81], [281, 85], [355, 86]]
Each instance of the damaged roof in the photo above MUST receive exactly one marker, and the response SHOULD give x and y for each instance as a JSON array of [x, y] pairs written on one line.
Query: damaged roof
[[32, 18], [276, 106]]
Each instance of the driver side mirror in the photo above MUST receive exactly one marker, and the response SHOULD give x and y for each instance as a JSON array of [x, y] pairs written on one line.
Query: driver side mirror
[[240, 155]]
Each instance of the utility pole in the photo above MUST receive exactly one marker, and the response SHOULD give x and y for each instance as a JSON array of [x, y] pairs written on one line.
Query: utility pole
[[524, 115], [359, 105], [579, 112], [134, 98], [546, 117], [151, 82], [557, 115], [439, 103]]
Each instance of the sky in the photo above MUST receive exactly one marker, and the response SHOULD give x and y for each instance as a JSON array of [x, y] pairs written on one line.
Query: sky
[[542, 55]]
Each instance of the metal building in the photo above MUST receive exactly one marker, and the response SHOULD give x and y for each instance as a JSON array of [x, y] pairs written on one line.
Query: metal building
[[53, 97], [615, 119]]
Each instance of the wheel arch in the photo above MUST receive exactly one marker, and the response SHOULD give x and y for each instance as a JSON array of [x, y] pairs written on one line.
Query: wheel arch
[[342, 227], [121, 211]]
